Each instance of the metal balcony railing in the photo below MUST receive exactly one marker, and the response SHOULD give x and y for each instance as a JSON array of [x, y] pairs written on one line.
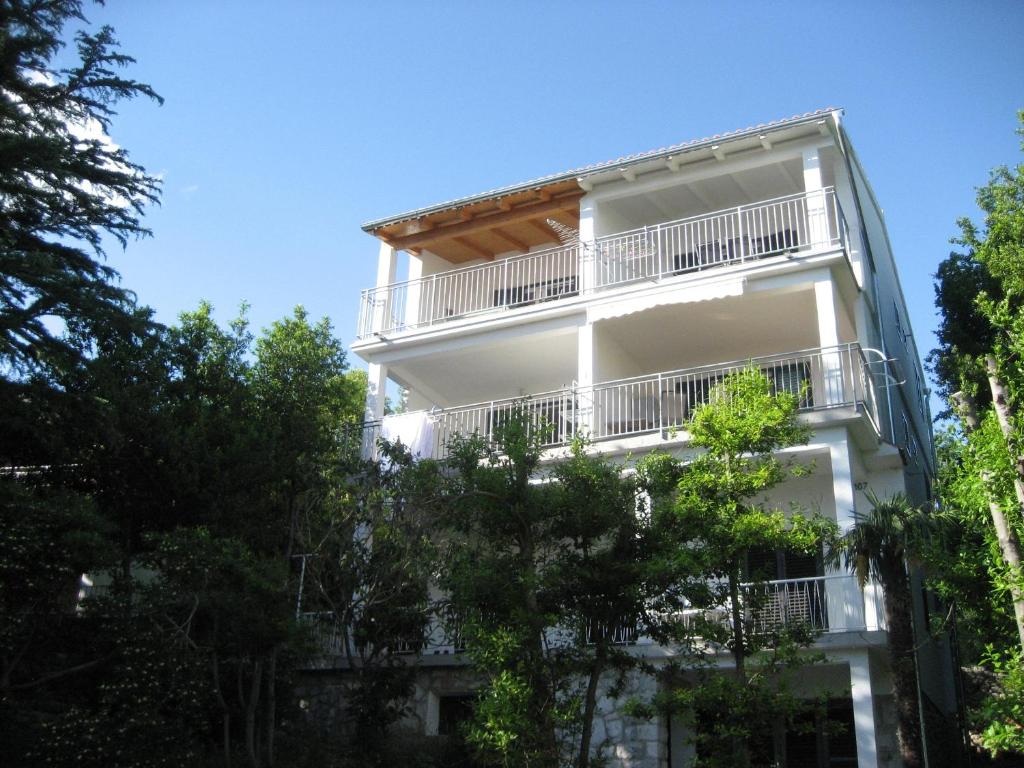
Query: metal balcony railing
[[827, 604], [536, 277], [832, 603], [746, 233], [328, 635], [659, 402], [790, 224]]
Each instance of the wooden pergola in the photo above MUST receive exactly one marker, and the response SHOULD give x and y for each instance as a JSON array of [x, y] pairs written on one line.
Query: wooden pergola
[[482, 229]]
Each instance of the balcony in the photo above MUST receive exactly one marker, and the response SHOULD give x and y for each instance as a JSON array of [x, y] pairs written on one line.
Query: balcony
[[657, 403], [827, 604], [747, 233]]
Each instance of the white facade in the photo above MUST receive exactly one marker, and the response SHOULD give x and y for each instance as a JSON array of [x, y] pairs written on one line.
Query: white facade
[[766, 245]]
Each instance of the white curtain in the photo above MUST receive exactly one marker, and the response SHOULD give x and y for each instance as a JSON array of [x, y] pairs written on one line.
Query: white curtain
[[413, 430]]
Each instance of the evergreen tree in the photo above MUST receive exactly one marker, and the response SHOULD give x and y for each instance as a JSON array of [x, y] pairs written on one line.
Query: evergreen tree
[[65, 185]]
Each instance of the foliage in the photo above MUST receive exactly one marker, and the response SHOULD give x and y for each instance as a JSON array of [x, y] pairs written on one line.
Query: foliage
[[880, 546], [720, 710], [542, 566], [155, 694], [48, 538], [963, 559], [710, 508], [1002, 715], [980, 295], [65, 185], [173, 454], [368, 561]]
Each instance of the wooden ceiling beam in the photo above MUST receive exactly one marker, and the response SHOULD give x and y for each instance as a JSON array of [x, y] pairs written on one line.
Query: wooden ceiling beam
[[480, 251], [547, 231], [567, 201], [515, 242], [568, 218]]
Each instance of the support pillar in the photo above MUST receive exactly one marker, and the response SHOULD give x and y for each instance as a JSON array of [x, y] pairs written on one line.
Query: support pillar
[[863, 708], [412, 299], [588, 251], [585, 363], [845, 601], [817, 216], [387, 261], [376, 383], [827, 305]]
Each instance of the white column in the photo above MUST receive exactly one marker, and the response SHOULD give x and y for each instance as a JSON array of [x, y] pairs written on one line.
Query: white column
[[842, 476], [827, 305], [863, 708], [843, 596], [387, 260], [376, 381], [817, 221], [412, 301], [585, 363], [588, 255], [373, 411]]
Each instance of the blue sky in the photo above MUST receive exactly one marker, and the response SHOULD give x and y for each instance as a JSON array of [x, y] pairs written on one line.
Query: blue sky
[[287, 125]]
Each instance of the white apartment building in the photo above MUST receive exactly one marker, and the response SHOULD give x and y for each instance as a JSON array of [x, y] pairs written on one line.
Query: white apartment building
[[611, 298]]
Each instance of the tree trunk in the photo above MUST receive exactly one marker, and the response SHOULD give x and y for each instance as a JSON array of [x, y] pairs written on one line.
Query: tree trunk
[[270, 724], [542, 692], [590, 700], [899, 620], [1009, 545], [741, 750], [250, 714], [1001, 402], [225, 712]]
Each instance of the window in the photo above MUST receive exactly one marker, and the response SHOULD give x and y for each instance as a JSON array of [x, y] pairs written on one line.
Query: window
[[453, 711]]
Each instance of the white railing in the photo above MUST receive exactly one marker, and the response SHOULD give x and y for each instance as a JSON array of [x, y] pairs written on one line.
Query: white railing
[[327, 634], [819, 378], [325, 631], [827, 604], [745, 233], [514, 282], [748, 232], [660, 402]]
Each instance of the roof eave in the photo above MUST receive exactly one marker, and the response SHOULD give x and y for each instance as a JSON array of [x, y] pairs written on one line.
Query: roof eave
[[593, 170]]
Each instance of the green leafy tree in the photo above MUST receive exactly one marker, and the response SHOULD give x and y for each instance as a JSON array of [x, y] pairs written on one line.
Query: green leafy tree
[[710, 507], [542, 576], [368, 560], [980, 295], [48, 537]]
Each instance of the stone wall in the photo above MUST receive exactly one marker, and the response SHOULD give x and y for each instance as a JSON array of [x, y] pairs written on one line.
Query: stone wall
[[624, 741]]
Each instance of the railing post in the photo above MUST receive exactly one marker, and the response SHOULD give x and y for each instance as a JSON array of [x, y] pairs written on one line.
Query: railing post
[[739, 232], [572, 411], [506, 293], [657, 250], [659, 405]]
